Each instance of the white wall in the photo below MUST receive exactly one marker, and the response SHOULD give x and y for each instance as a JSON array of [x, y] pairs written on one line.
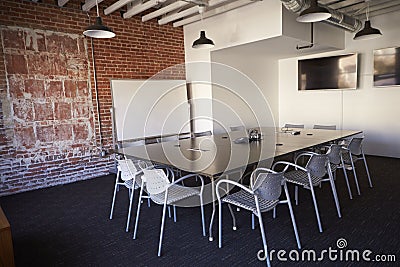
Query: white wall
[[371, 109]]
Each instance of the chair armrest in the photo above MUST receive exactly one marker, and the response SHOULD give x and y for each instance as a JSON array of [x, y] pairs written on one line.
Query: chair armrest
[[287, 165], [188, 176], [233, 183]]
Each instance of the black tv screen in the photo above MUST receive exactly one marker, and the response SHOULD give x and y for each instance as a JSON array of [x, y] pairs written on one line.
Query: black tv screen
[[334, 72], [387, 66]]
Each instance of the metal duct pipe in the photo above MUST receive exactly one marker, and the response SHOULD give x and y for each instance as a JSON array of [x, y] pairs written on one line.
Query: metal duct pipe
[[338, 18]]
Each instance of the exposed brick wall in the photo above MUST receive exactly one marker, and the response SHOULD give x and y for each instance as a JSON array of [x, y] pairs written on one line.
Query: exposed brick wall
[[49, 133]]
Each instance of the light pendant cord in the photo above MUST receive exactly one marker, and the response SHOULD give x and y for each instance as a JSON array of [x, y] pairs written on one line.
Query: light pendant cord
[[97, 8]]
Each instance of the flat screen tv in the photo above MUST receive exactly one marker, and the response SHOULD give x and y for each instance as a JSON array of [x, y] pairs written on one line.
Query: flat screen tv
[[387, 66], [334, 72]]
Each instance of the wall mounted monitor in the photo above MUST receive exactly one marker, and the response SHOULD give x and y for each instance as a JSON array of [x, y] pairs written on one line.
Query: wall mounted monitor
[[334, 72], [387, 66]]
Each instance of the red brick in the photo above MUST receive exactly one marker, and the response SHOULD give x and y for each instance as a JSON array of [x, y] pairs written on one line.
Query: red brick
[[25, 136], [70, 45], [35, 41], [62, 111], [55, 43], [13, 39], [70, 88], [45, 133], [83, 90], [16, 87], [81, 131], [63, 132], [81, 110], [38, 64], [54, 89], [23, 110], [35, 88], [43, 111], [58, 64], [16, 64]]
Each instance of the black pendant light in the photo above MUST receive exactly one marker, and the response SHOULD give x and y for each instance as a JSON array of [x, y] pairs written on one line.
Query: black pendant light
[[367, 32], [98, 30], [203, 41], [314, 13]]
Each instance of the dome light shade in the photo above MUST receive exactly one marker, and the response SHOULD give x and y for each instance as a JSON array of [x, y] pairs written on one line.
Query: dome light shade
[[203, 41], [367, 32], [98, 30], [314, 13]]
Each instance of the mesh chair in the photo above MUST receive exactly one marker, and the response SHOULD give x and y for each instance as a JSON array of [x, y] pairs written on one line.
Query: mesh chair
[[237, 128], [334, 154], [163, 192], [127, 175], [351, 154], [324, 127], [297, 126], [311, 175], [206, 133], [262, 195]]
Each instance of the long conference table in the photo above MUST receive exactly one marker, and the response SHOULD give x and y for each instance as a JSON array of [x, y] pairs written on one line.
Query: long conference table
[[219, 155]]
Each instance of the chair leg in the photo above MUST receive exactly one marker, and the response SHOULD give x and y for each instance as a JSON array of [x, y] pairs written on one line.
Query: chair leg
[[316, 208], [355, 176], [203, 224], [138, 213], [335, 196], [162, 229], [219, 224], [366, 168], [347, 180], [252, 221], [292, 217], [174, 208], [296, 194], [274, 213], [264, 239], [113, 201], [132, 194]]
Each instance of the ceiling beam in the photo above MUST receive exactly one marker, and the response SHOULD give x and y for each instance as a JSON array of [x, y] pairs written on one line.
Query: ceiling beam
[[61, 3], [89, 4], [164, 10], [214, 12], [117, 5], [178, 15], [140, 8]]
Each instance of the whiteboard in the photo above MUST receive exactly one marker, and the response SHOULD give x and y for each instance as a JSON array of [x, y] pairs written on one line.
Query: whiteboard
[[144, 108]]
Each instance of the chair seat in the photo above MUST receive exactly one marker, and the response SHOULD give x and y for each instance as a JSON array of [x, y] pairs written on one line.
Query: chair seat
[[175, 193], [301, 178], [129, 184], [246, 201], [346, 158]]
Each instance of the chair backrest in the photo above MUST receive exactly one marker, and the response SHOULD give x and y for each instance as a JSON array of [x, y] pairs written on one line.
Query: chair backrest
[[269, 185], [317, 164], [206, 133], [333, 154], [167, 138], [289, 125], [156, 181], [237, 128], [355, 145], [127, 169], [324, 127]]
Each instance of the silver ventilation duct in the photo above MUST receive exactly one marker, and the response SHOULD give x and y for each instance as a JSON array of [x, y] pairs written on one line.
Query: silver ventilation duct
[[338, 18]]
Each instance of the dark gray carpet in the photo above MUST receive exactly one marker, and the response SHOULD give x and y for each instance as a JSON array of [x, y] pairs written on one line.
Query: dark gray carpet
[[69, 226]]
